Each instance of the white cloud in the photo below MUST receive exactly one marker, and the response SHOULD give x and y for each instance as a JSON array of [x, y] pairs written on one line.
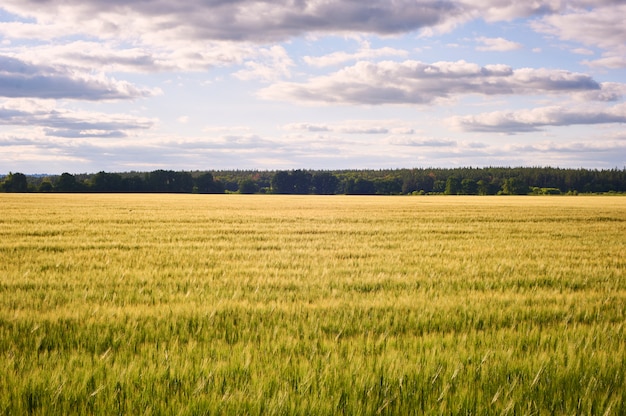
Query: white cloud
[[239, 20], [110, 56], [609, 61], [364, 52], [257, 20], [582, 51], [22, 79], [574, 147], [81, 50], [224, 129], [313, 128], [357, 127], [414, 82], [608, 91], [421, 142], [497, 45], [601, 27], [60, 122], [536, 119], [270, 64]]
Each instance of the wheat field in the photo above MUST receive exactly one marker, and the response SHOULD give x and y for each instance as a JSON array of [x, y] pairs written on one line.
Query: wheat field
[[267, 304]]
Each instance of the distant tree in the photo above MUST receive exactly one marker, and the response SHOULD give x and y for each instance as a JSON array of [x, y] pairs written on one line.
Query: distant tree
[[469, 187], [206, 184], [294, 182], [453, 186], [133, 184], [514, 186], [495, 186], [282, 183], [248, 186], [359, 186], [388, 186], [439, 186], [169, 181], [15, 182], [67, 183], [483, 181], [482, 187], [45, 186], [409, 184], [426, 182], [107, 182], [324, 183], [301, 182], [183, 182]]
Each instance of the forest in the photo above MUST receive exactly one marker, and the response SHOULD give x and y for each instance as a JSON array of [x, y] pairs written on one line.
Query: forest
[[417, 181]]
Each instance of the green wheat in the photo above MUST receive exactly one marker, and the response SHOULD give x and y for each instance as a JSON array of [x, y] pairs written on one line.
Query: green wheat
[[199, 304]]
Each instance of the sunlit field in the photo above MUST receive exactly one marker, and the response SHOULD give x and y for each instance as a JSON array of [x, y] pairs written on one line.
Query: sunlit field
[[232, 304]]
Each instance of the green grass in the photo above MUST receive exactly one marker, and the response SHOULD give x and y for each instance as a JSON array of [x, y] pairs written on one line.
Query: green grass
[[197, 304]]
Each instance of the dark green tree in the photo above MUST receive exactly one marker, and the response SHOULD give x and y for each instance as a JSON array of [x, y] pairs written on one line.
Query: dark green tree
[[514, 186], [134, 184], [169, 181], [388, 186], [360, 186], [67, 183], [453, 186], [206, 184], [324, 183], [15, 182], [439, 186], [469, 187], [482, 187], [248, 186], [282, 183], [107, 182], [45, 186], [301, 182]]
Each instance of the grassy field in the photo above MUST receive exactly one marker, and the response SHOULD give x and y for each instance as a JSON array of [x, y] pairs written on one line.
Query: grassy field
[[229, 304]]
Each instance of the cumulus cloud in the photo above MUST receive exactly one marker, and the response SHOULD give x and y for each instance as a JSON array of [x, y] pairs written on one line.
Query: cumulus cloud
[[601, 27], [108, 56], [421, 142], [357, 127], [65, 123], [538, 118], [309, 127], [582, 51], [609, 61], [497, 45], [260, 20], [565, 150], [22, 79], [199, 34], [241, 20], [608, 91], [414, 82], [270, 64], [189, 25], [62, 49], [364, 52]]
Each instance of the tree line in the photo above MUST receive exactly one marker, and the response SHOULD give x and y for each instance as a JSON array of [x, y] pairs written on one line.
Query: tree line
[[455, 181]]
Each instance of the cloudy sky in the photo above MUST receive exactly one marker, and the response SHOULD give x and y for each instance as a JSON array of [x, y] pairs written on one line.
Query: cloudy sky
[[120, 85]]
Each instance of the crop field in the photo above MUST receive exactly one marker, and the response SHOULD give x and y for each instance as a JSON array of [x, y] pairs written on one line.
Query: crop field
[[267, 304]]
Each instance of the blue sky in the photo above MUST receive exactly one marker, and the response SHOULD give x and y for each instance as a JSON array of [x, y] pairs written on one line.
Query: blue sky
[[113, 85]]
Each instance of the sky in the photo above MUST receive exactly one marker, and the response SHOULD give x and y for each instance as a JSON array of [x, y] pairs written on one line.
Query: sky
[[141, 85]]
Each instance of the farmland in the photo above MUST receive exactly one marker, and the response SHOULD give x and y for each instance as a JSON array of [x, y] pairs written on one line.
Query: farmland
[[267, 304]]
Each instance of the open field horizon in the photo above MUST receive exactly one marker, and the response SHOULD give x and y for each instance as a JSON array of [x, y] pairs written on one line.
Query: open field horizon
[[268, 304]]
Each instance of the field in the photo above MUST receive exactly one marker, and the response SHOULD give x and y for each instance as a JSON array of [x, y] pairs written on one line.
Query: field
[[262, 304]]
